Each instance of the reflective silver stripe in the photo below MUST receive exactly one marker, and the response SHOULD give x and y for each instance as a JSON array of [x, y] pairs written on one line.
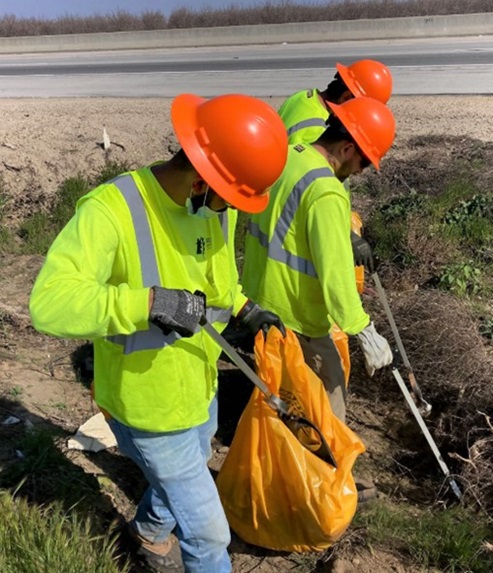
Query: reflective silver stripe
[[223, 218], [255, 231], [147, 255], [312, 122], [153, 338], [275, 249]]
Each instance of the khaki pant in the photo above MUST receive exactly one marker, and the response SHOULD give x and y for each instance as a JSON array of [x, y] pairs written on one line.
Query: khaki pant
[[324, 358]]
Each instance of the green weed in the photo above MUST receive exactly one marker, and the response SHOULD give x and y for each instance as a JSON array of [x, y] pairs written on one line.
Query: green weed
[[37, 234], [389, 239], [110, 170], [453, 540], [41, 539], [40, 229], [452, 195], [486, 327], [463, 279], [477, 206], [15, 392], [69, 192], [399, 208]]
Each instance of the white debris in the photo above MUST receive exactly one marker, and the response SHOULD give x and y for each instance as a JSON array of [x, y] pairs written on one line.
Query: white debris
[[93, 436], [10, 421], [106, 139]]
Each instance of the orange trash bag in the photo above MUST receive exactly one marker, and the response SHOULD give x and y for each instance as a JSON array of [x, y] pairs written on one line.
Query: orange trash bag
[[276, 492], [359, 272]]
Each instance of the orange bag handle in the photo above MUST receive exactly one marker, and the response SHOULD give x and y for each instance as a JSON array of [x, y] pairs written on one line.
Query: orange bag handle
[[323, 451]]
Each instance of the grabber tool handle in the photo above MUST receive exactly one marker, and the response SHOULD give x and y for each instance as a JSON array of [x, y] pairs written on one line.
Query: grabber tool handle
[[423, 404], [274, 401]]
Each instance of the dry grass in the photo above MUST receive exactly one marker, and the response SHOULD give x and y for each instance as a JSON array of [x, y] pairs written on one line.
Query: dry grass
[[267, 12], [454, 368]]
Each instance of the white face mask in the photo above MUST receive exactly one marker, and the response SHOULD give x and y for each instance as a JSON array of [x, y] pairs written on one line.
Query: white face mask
[[200, 211]]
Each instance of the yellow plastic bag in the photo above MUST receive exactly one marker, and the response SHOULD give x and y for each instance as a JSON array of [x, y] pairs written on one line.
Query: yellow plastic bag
[[277, 493]]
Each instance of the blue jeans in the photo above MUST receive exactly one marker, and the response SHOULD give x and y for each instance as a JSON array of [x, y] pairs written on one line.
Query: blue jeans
[[182, 495]]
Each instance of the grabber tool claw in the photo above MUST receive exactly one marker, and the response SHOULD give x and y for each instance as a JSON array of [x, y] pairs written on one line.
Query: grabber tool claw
[[426, 433]]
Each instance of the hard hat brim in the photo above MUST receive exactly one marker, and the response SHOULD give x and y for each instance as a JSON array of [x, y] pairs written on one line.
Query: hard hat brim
[[349, 124], [346, 77], [184, 116]]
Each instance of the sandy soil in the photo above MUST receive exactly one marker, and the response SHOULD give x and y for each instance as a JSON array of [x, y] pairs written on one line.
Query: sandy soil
[[43, 142]]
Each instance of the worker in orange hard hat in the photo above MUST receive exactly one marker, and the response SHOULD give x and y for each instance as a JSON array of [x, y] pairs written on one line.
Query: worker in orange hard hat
[[298, 256], [130, 271], [305, 113], [305, 116]]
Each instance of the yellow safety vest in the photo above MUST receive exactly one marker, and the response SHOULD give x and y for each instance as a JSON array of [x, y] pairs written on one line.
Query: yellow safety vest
[[127, 236], [304, 116], [298, 256]]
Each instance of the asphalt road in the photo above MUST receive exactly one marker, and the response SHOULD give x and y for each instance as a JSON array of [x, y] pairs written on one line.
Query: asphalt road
[[431, 66]]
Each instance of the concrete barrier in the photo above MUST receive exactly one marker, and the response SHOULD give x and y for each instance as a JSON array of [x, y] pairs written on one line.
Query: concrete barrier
[[383, 28]]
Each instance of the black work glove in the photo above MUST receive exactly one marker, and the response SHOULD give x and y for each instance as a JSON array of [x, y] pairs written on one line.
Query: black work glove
[[362, 252], [177, 310], [255, 318]]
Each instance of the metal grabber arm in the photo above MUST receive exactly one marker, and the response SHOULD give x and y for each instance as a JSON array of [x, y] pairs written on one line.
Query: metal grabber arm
[[419, 405]]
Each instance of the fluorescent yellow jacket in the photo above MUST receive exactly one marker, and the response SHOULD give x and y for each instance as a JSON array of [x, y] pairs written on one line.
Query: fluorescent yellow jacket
[[126, 236], [298, 256], [304, 116]]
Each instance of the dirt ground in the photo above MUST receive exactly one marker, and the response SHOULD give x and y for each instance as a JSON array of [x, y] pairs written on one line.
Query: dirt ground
[[43, 142]]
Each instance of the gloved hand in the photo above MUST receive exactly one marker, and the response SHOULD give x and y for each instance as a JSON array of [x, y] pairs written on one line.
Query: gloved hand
[[177, 310], [375, 348], [362, 252], [255, 318]]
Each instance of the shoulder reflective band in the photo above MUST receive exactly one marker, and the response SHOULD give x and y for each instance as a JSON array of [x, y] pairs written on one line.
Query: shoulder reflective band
[[275, 249], [153, 338], [312, 122]]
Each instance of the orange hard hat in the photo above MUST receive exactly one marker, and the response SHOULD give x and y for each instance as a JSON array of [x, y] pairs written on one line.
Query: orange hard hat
[[370, 123], [237, 143], [367, 78]]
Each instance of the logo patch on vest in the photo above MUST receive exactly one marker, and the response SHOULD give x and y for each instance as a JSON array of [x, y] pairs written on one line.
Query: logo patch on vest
[[202, 245], [299, 148]]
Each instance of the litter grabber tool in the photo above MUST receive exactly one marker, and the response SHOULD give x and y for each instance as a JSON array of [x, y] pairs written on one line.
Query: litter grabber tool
[[423, 405], [426, 432], [293, 421]]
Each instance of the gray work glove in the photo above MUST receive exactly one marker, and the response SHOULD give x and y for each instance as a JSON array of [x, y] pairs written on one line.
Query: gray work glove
[[255, 318], [177, 310], [362, 252], [375, 348]]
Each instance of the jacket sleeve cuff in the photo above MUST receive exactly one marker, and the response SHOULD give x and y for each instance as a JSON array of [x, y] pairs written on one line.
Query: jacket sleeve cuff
[[138, 307], [240, 302]]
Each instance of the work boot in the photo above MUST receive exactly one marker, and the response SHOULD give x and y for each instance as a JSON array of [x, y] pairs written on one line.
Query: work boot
[[164, 557], [366, 489]]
